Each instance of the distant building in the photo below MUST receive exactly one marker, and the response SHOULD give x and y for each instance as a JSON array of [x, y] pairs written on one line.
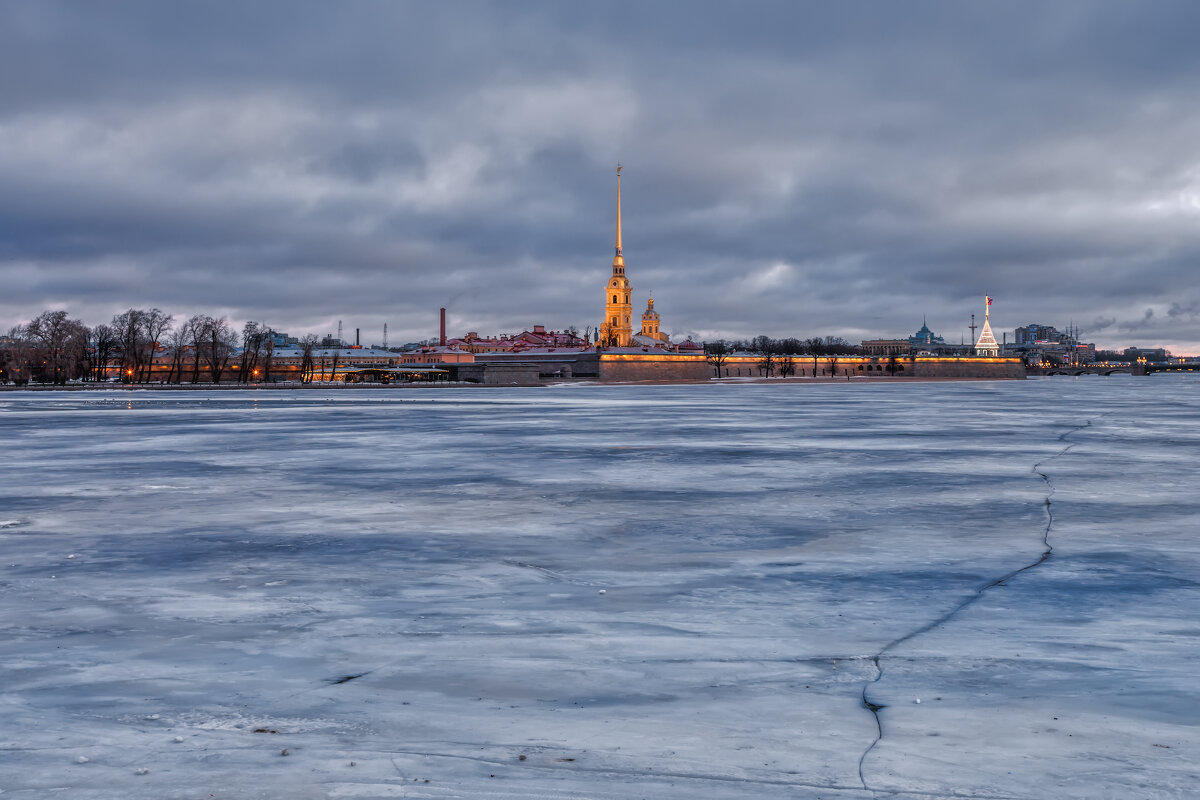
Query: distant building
[[1046, 345], [886, 347], [472, 342], [1151, 354], [925, 339], [1033, 333], [331, 363], [282, 339]]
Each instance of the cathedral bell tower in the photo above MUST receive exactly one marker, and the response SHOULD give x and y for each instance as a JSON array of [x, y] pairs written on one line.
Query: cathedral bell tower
[[650, 322], [617, 328]]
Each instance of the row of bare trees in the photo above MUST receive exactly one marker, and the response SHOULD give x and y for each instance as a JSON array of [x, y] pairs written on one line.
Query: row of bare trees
[[777, 356], [51, 349], [142, 345], [816, 346]]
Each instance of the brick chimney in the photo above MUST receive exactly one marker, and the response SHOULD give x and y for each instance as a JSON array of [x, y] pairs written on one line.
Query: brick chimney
[[442, 339]]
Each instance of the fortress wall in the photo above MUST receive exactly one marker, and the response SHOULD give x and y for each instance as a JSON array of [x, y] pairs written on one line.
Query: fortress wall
[[515, 374], [1007, 368], [636, 366], [883, 367], [653, 367]]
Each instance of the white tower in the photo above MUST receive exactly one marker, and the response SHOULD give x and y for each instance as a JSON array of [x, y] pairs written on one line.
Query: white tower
[[987, 344]]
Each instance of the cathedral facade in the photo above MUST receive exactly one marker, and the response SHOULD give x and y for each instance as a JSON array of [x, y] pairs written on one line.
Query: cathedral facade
[[617, 328]]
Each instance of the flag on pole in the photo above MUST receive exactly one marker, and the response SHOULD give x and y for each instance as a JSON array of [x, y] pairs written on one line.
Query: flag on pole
[[989, 300]]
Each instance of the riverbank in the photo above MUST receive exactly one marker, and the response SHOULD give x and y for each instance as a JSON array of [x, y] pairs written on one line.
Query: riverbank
[[339, 385]]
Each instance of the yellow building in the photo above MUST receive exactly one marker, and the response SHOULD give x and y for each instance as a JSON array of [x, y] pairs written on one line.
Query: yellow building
[[617, 328], [650, 329]]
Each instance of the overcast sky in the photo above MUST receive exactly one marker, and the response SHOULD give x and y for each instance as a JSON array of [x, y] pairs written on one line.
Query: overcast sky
[[790, 168]]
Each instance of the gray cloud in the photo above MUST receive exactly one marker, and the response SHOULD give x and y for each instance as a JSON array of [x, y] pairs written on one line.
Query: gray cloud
[[1192, 309], [1136, 324], [790, 169]]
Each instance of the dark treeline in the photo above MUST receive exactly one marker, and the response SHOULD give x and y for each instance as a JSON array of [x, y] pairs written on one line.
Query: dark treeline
[[765, 345], [138, 346], [776, 356]]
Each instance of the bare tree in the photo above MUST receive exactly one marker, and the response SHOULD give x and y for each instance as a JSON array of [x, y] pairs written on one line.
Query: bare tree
[[258, 345], [196, 326], [836, 345], [268, 355], [717, 354], [104, 344], [337, 352], [177, 341], [61, 345], [128, 326], [307, 344], [764, 347], [154, 325], [787, 366], [219, 344], [252, 339], [16, 354]]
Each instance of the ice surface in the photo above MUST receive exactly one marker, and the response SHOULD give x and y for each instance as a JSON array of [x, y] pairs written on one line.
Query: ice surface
[[603, 592]]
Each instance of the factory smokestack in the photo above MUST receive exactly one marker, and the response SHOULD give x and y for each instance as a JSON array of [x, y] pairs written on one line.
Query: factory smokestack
[[357, 338], [442, 338]]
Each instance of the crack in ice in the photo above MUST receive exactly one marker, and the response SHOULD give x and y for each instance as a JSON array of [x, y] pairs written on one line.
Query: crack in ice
[[633, 772], [1048, 550]]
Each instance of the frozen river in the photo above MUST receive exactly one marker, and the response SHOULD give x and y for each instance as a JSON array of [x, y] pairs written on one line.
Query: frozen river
[[800, 591]]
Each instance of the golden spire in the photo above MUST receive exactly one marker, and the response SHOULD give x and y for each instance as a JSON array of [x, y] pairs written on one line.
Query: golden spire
[[618, 259]]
